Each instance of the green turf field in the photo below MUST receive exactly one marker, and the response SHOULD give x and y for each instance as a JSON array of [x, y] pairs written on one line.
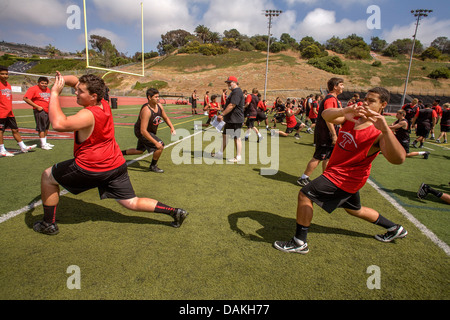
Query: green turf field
[[224, 248]]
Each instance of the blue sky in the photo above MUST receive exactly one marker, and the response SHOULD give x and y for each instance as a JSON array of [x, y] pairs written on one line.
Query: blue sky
[[43, 22]]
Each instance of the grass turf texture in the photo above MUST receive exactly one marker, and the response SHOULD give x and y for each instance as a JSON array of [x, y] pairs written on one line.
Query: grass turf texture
[[224, 248]]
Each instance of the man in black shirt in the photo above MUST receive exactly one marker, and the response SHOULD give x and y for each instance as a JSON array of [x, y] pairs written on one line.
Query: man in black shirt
[[233, 115]]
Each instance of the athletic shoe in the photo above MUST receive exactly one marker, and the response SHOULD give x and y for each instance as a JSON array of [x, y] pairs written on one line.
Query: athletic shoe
[[310, 131], [393, 233], [28, 148], [235, 159], [414, 144], [423, 191], [46, 228], [303, 181], [156, 169], [272, 132], [291, 246], [6, 154], [218, 155], [297, 136], [426, 154], [49, 144], [260, 137], [46, 147], [178, 215], [438, 141]]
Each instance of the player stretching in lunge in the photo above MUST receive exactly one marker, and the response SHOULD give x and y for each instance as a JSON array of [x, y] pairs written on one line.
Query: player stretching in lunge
[[364, 133], [98, 161], [146, 126]]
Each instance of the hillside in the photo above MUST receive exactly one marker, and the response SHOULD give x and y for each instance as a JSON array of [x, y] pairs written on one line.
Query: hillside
[[288, 74]]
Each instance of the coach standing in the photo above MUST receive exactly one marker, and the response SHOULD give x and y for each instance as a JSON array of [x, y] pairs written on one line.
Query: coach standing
[[233, 115]]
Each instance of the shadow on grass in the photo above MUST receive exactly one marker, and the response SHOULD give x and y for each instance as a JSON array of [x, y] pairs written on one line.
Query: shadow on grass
[[280, 176], [74, 211], [275, 227]]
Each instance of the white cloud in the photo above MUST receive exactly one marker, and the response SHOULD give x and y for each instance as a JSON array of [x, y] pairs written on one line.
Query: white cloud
[[47, 13], [429, 29], [322, 25]]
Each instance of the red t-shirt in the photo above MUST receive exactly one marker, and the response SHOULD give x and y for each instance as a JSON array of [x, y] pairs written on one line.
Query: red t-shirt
[[100, 152], [262, 106], [39, 96], [349, 165], [214, 109], [5, 101]]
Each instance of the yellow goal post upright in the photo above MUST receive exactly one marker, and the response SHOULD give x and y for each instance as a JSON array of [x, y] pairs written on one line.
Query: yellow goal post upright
[[113, 70]]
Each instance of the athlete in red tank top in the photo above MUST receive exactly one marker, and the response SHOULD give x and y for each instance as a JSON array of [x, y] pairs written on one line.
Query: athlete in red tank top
[[100, 151]]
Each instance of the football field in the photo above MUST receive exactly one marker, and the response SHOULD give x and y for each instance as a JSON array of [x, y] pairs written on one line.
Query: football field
[[223, 251]]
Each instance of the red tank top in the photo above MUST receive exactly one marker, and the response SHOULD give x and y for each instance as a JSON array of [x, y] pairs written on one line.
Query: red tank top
[[291, 122], [349, 165], [100, 152]]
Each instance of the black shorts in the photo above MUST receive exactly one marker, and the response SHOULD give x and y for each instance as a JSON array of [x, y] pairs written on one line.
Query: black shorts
[[329, 197], [260, 115], [423, 132], [445, 128], [42, 120], [297, 126], [405, 145], [143, 144], [323, 152], [232, 129], [250, 123], [113, 184], [9, 122]]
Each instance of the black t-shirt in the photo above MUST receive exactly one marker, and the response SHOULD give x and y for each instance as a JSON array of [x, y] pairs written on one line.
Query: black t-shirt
[[236, 115]]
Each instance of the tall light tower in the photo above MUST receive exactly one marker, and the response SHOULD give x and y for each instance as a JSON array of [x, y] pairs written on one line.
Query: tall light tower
[[419, 13], [269, 14]]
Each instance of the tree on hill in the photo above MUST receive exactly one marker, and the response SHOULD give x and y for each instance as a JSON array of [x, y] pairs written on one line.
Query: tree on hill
[[202, 32], [173, 40], [442, 44]]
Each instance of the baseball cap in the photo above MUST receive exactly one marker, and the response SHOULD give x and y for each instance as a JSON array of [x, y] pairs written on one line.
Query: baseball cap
[[232, 79]]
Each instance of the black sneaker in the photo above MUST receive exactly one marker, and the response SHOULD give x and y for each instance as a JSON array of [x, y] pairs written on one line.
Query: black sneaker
[[156, 169], [178, 215], [393, 233], [426, 154], [303, 182], [291, 246], [423, 191], [46, 228]]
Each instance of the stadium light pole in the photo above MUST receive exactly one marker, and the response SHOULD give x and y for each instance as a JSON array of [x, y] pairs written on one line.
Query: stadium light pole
[[269, 14], [419, 13]]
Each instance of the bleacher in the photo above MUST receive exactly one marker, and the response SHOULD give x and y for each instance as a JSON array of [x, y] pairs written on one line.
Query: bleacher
[[396, 99]]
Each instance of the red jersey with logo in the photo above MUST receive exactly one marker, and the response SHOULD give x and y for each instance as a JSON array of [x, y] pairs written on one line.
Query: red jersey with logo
[[5, 101], [349, 165], [214, 109], [39, 96], [100, 152]]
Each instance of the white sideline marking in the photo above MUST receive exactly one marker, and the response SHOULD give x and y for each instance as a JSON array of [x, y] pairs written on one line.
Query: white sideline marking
[[12, 214], [441, 244]]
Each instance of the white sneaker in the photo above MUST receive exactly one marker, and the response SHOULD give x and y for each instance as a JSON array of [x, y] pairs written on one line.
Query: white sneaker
[[6, 154], [217, 155], [50, 145], [235, 159], [46, 147], [28, 148]]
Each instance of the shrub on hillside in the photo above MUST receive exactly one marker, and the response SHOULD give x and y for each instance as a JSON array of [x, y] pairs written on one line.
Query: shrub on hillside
[[330, 64], [440, 73]]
